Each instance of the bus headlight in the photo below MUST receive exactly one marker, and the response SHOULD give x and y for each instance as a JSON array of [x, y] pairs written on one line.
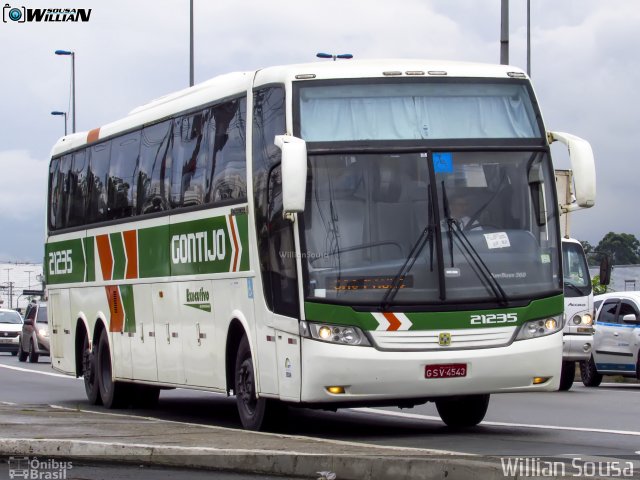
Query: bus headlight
[[539, 328], [342, 334]]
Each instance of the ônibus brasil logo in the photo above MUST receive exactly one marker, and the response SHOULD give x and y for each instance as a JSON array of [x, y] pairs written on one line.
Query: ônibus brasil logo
[[23, 14]]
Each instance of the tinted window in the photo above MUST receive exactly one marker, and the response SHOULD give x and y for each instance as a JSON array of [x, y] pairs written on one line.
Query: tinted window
[[53, 193], [190, 160], [152, 185], [627, 308], [228, 145], [608, 312], [97, 178], [78, 189], [122, 168]]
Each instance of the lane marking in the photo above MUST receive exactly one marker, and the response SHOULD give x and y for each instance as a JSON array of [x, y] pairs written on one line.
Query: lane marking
[[50, 374], [416, 416]]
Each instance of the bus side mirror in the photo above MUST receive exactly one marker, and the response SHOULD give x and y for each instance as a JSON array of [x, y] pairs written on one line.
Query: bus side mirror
[[583, 166], [605, 270], [294, 173]]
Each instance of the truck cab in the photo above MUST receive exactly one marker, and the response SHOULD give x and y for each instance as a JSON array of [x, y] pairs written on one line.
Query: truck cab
[[578, 310]]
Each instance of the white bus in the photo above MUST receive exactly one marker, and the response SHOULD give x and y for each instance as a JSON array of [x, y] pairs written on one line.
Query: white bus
[[321, 235]]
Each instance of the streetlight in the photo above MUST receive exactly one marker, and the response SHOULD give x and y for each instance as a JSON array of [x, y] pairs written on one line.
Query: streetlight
[[73, 85], [345, 56], [65, 119]]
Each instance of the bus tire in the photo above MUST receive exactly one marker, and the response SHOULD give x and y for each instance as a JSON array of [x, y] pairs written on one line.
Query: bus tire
[[589, 373], [33, 354], [89, 373], [463, 412], [113, 394], [567, 374], [255, 413]]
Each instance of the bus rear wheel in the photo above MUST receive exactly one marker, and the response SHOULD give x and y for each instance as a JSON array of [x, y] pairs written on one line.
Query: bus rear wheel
[[255, 413], [567, 374], [113, 394], [463, 412], [91, 387]]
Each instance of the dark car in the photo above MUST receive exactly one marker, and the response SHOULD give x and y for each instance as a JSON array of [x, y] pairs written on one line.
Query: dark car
[[10, 327], [34, 339]]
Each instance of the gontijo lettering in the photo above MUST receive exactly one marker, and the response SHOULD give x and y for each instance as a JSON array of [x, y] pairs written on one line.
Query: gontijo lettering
[[198, 247], [60, 262]]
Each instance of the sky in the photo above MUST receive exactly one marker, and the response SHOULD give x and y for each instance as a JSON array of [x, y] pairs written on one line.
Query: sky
[[585, 69]]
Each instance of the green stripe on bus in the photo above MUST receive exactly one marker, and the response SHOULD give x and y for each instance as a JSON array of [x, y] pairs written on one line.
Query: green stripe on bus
[[119, 256], [89, 253], [153, 252], [338, 314], [126, 293], [242, 221]]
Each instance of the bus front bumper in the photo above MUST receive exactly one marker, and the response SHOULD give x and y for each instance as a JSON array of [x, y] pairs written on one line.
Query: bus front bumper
[[369, 375]]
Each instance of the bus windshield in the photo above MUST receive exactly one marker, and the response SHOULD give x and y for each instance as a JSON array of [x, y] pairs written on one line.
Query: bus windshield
[[470, 226]]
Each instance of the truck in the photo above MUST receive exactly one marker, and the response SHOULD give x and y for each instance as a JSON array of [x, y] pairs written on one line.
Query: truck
[[578, 291]]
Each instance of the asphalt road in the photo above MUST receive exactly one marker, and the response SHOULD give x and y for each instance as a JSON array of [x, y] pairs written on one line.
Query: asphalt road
[[582, 423]]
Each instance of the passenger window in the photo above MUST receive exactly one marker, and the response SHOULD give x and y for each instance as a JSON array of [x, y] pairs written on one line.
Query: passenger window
[[228, 144], [189, 160], [54, 194], [154, 172], [627, 308], [97, 179], [78, 192], [608, 312], [124, 162]]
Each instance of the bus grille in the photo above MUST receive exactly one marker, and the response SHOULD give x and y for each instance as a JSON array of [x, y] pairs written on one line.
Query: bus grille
[[438, 339]]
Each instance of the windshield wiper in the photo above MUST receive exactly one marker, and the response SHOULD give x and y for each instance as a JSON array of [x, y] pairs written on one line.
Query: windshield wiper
[[575, 287], [426, 236], [454, 229]]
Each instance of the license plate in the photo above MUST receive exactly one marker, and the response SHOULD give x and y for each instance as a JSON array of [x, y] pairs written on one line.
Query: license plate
[[450, 370], [5, 340]]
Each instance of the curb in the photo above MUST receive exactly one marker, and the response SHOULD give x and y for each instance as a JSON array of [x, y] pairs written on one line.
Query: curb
[[297, 464]]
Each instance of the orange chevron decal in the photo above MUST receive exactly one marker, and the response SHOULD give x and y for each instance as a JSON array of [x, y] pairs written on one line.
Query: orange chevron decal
[[106, 258], [234, 262], [93, 135], [394, 322], [116, 323], [131, 248]]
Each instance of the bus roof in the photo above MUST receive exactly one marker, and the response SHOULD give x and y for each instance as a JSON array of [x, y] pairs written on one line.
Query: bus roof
[[228, 85]]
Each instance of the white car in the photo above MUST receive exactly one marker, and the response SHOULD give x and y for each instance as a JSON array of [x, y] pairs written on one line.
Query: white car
[[10, 328], [616, 340]]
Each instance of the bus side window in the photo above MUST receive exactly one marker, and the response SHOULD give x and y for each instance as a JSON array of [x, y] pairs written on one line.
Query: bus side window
[[78, 189], [124, 162], [97, 180], [154, 170], [228, 146], [54, 196], [189, 160]]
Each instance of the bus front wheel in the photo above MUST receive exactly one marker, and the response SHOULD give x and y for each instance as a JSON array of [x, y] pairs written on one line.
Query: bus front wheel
[[566, 375], [255, 413], [463, 412]]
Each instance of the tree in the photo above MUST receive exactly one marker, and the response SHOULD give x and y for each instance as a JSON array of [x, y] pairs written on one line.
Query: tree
[[624, 248], [597, 288]]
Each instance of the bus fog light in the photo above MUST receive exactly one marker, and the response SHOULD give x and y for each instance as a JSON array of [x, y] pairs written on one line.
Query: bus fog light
[[335, 390], [540, 380]]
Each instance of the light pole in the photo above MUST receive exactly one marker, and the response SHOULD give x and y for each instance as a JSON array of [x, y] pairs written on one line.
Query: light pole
[[9, 287], [65, 119], [73, 85], [342, 56], [191, 43]]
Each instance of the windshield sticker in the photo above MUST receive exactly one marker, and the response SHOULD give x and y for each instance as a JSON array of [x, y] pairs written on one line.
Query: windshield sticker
[[497, 240], [545, 258], [443, 162]]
